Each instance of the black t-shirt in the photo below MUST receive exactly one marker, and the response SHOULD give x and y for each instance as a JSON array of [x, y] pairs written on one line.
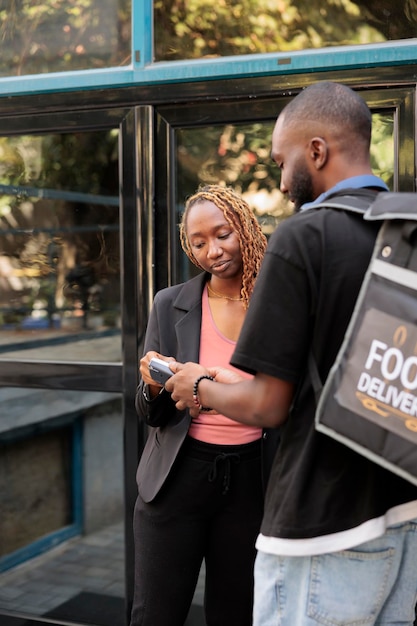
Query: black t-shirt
[[303, 299]]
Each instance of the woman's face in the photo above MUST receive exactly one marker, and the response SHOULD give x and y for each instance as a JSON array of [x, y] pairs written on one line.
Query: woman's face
[[214, 243]]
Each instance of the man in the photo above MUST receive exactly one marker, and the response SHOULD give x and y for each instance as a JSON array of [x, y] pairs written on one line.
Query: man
[[338, 541]]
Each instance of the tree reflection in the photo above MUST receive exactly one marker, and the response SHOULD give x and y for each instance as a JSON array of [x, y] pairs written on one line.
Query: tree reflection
[[211, 28], [59, 220]]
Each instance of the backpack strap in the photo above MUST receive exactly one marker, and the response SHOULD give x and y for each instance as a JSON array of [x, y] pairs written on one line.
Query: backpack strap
[[393, 205], [398, 235], [397, 212], [356, 201]]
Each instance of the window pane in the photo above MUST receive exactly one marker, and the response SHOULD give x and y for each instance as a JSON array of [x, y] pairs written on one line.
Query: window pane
[[239, 155], [59, 247], [61, 489], [39, 37], [212, 28]]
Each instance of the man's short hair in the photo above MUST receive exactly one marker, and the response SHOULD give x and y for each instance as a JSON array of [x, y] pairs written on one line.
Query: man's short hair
[[333, 104]]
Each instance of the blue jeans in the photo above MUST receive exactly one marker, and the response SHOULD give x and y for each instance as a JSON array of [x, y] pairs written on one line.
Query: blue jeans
[[372, 584]]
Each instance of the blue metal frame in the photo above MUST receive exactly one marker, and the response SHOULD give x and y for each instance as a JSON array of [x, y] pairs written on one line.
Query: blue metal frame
[[142, 33], [142, 70]]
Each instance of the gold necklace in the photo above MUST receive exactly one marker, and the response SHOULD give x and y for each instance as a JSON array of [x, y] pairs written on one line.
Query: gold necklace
[[221, 295]]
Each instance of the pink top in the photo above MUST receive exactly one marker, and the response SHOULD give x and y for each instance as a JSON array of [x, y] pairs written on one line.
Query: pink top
[[216, 349]]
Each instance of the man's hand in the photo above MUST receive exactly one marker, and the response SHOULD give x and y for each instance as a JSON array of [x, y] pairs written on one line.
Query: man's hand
[[225, 375], [181, 385], [262, 401]]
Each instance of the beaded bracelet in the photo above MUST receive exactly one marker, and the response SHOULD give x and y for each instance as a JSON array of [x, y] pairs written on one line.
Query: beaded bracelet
[[195, 393]]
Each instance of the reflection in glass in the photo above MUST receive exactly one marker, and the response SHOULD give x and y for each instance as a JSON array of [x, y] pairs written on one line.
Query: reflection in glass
[[64, 35], [239, 155], [382, 147], [59, 246], [209, 28], [61, 489]]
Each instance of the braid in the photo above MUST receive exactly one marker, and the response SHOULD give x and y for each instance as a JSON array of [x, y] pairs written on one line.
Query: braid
[[243, 221]]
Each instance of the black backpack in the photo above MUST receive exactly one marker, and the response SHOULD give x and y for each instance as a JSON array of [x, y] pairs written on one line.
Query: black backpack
[[369, 400]]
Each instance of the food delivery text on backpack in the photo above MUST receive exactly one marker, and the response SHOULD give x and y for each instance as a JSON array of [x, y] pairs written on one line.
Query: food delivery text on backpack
[[369, 400]]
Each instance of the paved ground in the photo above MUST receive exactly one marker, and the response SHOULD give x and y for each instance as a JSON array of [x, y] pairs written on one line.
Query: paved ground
[[93, 563]]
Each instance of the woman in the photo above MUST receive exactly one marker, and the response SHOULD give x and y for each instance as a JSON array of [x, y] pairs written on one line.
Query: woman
[[199, 480]]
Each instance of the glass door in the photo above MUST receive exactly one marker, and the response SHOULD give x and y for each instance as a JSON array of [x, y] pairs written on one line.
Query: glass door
[[68, 380]]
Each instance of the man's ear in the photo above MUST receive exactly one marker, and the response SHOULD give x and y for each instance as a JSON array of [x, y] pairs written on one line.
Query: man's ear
[[318, 152]]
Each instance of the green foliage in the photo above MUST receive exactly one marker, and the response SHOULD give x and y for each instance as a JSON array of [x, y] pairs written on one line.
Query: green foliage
[[46, 236], [382, 147], [62, 35], [206, 28], [237, 155]]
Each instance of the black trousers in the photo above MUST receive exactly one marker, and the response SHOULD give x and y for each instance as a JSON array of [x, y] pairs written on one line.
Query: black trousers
[[209, 508]]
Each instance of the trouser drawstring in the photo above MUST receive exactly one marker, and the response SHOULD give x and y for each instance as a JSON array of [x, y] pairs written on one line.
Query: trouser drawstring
[[227, 459]]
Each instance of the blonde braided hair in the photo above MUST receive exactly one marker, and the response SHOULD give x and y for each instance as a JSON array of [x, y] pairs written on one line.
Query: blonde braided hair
[[241, 218]]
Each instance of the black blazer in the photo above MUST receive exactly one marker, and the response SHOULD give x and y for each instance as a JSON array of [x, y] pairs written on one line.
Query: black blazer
[[174, 329]]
